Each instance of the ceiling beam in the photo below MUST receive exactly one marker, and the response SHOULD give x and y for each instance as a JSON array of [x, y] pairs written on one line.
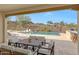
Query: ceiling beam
[[39, 9]]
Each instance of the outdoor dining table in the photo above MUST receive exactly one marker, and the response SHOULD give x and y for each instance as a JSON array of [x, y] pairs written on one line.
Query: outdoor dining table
[[27, 43]]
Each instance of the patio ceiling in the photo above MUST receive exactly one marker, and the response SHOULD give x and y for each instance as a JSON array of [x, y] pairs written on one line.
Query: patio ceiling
[[15, 9]]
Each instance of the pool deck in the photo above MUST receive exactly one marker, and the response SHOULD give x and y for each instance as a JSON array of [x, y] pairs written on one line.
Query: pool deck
[[63, 46]]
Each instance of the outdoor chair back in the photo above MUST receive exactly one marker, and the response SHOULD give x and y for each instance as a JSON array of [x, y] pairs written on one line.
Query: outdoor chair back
[[42, 40], [46, 50]]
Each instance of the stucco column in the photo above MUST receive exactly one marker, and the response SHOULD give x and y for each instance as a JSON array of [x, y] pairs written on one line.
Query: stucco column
[[3, 29], [78, 29]]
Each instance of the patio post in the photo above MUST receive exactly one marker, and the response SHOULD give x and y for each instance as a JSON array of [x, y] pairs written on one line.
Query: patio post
[[3, 28], [5, 31], [78, 29]]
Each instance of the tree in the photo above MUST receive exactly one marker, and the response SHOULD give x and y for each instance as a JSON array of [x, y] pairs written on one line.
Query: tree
[[23, 20], [8, 18], [40, 23], [49, 22], [62, 23]]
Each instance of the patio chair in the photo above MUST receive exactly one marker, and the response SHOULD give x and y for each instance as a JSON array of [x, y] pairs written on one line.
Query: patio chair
[[9, 43], [42, 40], [47, 49], [10, 50]]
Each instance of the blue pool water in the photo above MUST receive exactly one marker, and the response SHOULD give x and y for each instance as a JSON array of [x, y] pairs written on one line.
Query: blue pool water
[[42, 33], [46, 33]]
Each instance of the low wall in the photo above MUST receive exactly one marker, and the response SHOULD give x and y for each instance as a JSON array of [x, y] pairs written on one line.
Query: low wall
[[70, 34]]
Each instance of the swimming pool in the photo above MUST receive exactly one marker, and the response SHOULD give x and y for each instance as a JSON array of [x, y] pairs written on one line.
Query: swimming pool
[[46, 33], [42, 33]]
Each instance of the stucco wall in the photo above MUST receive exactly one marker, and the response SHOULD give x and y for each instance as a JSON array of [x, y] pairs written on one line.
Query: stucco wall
[[68, 34], [1, 28], [71, 35]]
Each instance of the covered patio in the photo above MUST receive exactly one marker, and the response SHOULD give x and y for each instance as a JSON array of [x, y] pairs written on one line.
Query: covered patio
[[17, 9]]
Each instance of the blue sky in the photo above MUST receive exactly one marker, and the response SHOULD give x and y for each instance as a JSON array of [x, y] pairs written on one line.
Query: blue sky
[[67, 16]]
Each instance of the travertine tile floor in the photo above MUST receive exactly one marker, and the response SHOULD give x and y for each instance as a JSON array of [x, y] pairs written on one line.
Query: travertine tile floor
[[63, 47]]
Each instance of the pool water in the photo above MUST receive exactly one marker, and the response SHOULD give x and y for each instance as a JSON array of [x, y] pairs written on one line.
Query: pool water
[[46, 33]]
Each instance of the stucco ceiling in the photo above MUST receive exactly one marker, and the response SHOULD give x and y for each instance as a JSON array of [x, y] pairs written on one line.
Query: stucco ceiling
[[12, 9], [9, 7]]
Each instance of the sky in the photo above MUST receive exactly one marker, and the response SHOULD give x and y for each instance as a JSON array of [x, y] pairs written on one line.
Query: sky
[[67, 16]]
